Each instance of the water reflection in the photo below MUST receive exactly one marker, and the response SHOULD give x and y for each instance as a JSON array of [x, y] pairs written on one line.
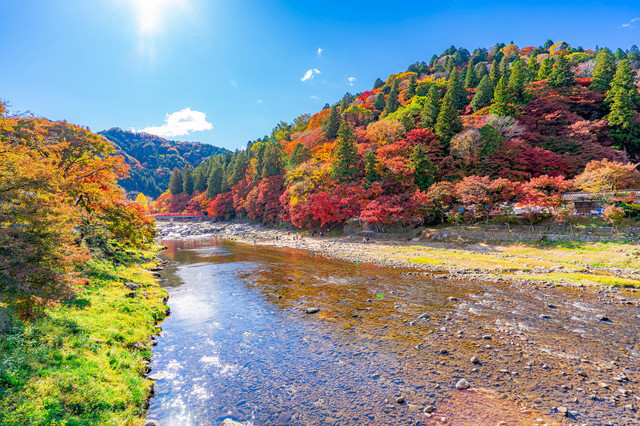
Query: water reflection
[[239, 344]]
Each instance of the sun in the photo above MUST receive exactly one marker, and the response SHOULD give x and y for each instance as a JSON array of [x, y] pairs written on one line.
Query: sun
[[151, 13]]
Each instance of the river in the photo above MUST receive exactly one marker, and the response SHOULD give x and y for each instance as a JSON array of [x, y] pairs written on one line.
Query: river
[[243, 342]]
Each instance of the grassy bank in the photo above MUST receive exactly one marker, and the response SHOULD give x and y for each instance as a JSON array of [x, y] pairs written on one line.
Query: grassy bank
[[79, 364]]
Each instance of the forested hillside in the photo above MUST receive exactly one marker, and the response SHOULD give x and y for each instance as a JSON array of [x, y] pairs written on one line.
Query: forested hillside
[[152, 158], [466, 137]]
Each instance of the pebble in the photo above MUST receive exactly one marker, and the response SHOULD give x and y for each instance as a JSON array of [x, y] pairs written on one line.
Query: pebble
[[400, 400], [563, 410], [462, 384], [312, 310], [475, 359], [429, 409]]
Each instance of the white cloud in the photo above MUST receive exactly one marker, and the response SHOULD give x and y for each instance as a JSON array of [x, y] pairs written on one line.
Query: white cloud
[[259, 101], [629, 24], [310, 74], [320, 51], [351, 81], [314, 97], [180, 123]]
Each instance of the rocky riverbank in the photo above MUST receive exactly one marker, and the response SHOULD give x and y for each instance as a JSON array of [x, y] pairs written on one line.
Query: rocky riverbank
[[582, 264]]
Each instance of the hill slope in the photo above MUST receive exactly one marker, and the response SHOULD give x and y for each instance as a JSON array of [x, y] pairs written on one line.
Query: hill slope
[[152, 158]]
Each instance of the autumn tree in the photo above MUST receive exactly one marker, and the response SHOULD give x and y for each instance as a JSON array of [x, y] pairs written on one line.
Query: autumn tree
[[604, 71], [175, 182], [605, 175], [299, 154], [483, 95], [345, 166], [448, 122], [561, 74], [431, 108]]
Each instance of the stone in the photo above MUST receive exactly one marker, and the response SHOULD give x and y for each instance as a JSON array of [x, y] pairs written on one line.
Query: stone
[[157, 376], [151, 422], [444, 351], [230, 422], [475, 360], [400, 400], [132, 286], [139, 346], [429, 409], [312, 310], [563, 410], [132, 294], [462, 384]]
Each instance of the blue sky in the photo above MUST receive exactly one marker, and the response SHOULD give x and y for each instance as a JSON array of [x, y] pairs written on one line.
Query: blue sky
[[225, 72]]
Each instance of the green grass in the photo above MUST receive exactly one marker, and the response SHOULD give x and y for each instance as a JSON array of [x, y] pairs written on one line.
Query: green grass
[[579, 278], [52, 372]]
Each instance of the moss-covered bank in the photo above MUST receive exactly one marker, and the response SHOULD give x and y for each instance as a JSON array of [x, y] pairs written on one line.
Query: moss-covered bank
[[84, 361]]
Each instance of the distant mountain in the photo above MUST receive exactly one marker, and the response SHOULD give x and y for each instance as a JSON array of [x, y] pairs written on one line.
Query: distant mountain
[[152, 158]]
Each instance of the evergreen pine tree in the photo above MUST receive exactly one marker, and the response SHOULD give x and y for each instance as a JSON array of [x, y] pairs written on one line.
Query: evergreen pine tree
[[494, 74], [624, 80], [517, 80], [392, 103], [411, 88], [200, 179], [175, 182], [620, 55], [623, 127], [345, 166], [333, 123], [481, 71], [273, 163], [371, 165], [299, 154], [504, 68], [431, 108], [239, 168], [455, 88], [604, 71], [188, 183], [545, 69], [424, 169], [561, 75], [214, 182], [378, 83], [532, 69], [484, 94], [501, 99], [448, 123], [379, 102], [470, 77]]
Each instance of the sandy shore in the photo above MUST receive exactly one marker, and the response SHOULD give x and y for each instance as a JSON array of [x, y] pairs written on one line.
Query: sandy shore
[[601, 265]]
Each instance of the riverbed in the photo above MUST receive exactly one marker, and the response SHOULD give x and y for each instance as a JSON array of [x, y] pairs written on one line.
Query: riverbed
[[266, 335]]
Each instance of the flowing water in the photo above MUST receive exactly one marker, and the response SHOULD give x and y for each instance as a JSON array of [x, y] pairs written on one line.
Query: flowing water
[[240, 344]]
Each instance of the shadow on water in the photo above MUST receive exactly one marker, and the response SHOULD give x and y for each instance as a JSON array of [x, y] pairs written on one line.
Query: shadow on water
[[240, 344]]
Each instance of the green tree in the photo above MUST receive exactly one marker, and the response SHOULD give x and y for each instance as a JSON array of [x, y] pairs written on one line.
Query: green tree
[[273, 163], [456, 89], [188, 183], [604, 71], [175, 182], [424, 169], [469, 77], [484, 94], [561, 75], [378, 83], [214, 182], [494, 74], [532, 68], [333, 123], [431, 108], [239, 168], [392, 103], [448, 122], [200, 178], [480, 71], [501, 99], [410, 92], [545, 69], [624, 80], [620, 55], [299, 154], [371, 166], [379, 102], [623, 126], [345, 166], [517, 80]]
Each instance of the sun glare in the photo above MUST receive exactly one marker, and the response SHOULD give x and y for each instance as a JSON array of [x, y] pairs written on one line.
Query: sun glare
[[150, 14]]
